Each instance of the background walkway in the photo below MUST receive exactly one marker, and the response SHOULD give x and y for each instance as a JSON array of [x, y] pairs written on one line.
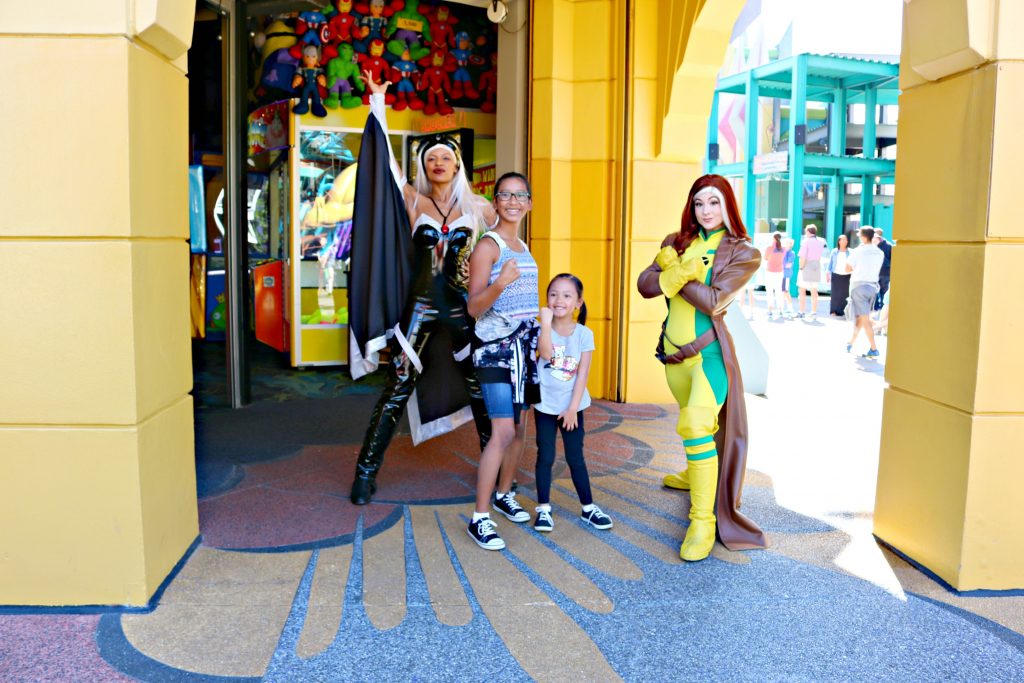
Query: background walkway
[[293, 583]]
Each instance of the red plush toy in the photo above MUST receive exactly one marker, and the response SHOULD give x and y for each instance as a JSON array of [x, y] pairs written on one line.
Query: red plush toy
[[489, 85], [390, 8], [442, 31], [378, 68], [342, 22], [436, 82]]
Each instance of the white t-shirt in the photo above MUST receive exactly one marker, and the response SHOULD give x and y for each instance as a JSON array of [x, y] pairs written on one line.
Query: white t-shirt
[[867, 262], [558, 375]]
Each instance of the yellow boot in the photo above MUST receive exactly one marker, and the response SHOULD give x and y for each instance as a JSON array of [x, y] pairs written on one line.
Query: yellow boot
[[700, 537], [680, 481]]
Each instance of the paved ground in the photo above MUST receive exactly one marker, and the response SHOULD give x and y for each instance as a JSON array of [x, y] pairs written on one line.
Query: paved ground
[[293, 583]]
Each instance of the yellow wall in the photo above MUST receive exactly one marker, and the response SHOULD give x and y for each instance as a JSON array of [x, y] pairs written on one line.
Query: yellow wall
[[618, 127], [97, 468], [576, 84], [954, 414]]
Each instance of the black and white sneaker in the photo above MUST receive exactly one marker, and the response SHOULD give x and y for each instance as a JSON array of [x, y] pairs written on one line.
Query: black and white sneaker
[[510, 507], [543, 521], [596, 518], [485, 532]]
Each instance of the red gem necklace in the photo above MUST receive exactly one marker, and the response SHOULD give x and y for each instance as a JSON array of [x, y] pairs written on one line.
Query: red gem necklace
[[444, 216]]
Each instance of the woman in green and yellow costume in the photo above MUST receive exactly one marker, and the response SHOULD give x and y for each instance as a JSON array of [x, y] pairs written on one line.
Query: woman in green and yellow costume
[[699, 270]]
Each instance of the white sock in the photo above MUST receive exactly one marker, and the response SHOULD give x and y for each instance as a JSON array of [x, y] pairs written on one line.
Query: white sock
[[499, 494], [588, 508], [544, 508], [477, 516]]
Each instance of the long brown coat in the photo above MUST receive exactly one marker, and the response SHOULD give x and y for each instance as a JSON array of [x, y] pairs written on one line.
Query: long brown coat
[[735, 263]]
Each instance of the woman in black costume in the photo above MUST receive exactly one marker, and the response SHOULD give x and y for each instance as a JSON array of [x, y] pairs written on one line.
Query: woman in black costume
[[446, 217]]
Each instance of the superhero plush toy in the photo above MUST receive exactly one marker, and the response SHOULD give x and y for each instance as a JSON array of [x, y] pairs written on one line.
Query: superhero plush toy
[[311, 77], [435, 81]]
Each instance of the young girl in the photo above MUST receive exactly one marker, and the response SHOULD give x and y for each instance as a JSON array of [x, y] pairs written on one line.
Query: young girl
[[564, 348], [503, 297]]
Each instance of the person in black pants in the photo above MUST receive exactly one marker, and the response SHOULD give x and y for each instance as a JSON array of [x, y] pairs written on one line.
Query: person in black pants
[[564, 351], [838, 278], [883, 275]]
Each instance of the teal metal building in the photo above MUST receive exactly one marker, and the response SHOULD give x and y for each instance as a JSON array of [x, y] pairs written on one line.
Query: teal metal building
[[843, 153]]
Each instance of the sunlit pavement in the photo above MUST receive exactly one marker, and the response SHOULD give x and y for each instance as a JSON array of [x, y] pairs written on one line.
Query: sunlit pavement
[[293, 583]]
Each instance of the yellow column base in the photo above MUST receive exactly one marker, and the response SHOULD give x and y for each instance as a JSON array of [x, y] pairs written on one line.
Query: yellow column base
[[947, 495], [96, 515]]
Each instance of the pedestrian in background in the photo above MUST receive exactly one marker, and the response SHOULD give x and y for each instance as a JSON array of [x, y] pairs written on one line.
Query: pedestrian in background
[[811, 250], [864, 263], [883, 275], [787, 273], [774, 260], [837, 277]]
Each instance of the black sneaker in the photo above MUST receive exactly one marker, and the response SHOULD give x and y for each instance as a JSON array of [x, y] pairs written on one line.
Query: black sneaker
[[508, 506], [543, 521], [596, 518], [485, 533]]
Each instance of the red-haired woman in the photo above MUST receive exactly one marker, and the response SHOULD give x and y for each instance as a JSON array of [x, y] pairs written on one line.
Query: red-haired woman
[[699, 270]]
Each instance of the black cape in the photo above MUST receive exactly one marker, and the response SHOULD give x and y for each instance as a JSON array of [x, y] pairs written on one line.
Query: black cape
[[379, 282], [381, 269]]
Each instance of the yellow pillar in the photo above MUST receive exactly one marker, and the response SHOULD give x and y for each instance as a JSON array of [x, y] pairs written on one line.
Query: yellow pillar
[[953, 423], [97, 474], [575, 105], [621, 92], [677, 47]]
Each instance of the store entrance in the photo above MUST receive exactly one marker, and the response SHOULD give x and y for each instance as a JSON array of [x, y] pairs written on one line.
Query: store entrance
[[300, 173]]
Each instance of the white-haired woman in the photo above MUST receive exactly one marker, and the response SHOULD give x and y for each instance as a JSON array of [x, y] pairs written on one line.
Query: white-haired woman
[[446, 216]]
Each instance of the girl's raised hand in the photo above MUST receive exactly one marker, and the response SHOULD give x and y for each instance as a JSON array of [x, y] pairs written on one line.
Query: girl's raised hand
[[546, 316], [375, 87]]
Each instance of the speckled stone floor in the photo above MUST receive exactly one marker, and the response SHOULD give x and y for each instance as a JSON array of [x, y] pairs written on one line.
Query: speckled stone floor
[[293, 583]]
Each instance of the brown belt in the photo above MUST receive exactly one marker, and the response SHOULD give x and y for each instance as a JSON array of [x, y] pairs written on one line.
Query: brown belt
[[686, 350]]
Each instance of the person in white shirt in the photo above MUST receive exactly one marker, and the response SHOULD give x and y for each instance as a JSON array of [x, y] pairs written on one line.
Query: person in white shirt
[[864, 264]]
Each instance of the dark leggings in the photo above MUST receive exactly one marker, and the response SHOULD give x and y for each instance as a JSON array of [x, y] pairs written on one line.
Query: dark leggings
[[547, 425]]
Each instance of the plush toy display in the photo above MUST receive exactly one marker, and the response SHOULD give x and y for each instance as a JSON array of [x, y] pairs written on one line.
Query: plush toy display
[[435, 81], [462, 82], [311, 77], [378, 68], [397, 40], [489, 86], [403, 75], [406, 28], [342, 73]]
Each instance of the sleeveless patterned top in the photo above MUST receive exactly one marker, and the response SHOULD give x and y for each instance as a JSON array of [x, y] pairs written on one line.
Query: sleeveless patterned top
[[517, 302]]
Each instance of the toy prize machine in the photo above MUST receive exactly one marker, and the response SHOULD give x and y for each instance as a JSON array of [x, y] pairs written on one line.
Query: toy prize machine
[[268, 221]]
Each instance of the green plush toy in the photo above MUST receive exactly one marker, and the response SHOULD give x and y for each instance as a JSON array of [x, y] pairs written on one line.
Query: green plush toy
[[342, 71], [405, 28]]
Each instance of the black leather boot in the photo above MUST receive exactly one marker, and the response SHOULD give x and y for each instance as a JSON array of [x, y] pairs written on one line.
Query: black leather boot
[[363, 489]]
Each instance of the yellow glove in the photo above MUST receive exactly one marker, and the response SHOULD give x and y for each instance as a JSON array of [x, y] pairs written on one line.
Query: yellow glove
[[666, 257], [672, 279]]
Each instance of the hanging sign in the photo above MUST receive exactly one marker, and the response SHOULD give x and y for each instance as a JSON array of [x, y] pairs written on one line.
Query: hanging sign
[[772, 162]]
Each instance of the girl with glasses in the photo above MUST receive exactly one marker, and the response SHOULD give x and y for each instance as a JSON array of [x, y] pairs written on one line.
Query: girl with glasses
[[503, 297]]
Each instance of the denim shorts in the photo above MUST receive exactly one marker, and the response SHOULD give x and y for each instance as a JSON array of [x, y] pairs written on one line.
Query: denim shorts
[[498, 400]]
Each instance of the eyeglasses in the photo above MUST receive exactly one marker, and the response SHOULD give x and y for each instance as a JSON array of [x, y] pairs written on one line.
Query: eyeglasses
[[507, 196]]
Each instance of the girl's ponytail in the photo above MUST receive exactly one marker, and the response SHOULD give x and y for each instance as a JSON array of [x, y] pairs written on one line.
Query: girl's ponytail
[[582, 317]]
